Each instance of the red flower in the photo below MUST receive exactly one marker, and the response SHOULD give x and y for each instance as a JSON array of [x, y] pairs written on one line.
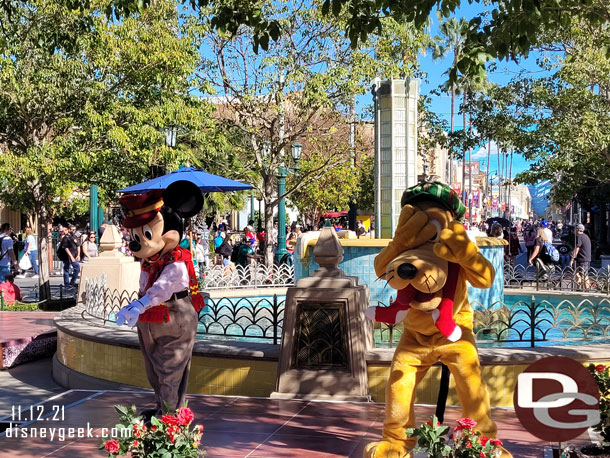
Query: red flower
[[466, 423], [135, 443], [185, 416], [112, 446], [483, 440], [482, 455], [429, 423], [496, 441], [154, 428], [468, 444], [600, 368], [169, 419]]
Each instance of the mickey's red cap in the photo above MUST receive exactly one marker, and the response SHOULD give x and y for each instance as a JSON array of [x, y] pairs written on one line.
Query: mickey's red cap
[[140, 209]]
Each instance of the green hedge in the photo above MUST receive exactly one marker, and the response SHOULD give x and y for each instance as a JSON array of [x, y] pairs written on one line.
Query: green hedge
[[53, 305]]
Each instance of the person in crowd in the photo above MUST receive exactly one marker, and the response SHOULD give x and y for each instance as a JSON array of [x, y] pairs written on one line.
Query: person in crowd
[[31, 249], [225, 249], [559, 229], [201, 252], [360, 229], [71, 258], [529, 236], [260, 237], [10, 291], [249, 233], [102, 228], [291, 240], [581, 256], [539, 258], [545, 226], [273, 238], [89, 247], [8, 260], [514, 245], [496, 231], [245, 253]]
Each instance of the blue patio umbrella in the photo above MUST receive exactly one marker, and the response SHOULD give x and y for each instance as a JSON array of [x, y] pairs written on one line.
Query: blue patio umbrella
[[206, 182]]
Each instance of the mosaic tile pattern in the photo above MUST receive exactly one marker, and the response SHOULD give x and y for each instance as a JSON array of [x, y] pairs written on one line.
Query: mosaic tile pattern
[[228, 376], [358, 261]]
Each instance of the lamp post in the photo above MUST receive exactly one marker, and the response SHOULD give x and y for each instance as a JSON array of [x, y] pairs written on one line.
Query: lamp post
[[281, 251]]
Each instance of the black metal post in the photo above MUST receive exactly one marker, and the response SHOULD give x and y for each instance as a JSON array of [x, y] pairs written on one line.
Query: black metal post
[[533, 322], [275, 319]]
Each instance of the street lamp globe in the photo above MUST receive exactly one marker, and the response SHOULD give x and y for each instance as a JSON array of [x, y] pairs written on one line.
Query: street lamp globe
[[296, 151]]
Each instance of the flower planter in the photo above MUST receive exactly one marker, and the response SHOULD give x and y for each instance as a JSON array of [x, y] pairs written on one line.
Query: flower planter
[[590, 451]]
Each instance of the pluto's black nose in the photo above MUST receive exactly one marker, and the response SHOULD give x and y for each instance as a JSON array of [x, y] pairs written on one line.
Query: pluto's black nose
[[407, 271]]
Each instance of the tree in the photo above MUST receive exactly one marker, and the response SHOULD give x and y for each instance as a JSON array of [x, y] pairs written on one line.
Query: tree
[[505, 29], [295, 91], [92, 112], [559, 121], [335, 186]]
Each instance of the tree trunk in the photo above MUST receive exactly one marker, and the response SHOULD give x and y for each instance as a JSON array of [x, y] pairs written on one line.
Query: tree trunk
[[268, 231], [45, 247]]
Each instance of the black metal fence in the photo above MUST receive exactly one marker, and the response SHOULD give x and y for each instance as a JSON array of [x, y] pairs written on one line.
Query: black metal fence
[[539, 320], [556, 278], [233, 318]]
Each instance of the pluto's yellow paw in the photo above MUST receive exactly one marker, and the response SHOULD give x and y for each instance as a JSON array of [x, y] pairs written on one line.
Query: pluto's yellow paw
[[385, 449]]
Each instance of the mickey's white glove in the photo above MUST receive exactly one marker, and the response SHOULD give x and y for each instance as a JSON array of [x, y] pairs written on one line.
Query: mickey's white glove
[[129, 314]]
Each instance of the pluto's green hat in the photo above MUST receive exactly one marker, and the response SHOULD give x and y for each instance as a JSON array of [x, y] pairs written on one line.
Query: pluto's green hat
[[435, 190]]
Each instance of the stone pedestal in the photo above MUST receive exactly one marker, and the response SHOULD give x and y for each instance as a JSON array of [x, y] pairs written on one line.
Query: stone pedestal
[[122, 272], [325, 335]]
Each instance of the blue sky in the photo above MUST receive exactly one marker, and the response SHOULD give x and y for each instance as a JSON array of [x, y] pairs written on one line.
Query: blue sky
[[441, 105]]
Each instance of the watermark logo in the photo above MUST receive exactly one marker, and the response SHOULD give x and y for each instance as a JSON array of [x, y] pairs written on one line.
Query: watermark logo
[[556, 399]]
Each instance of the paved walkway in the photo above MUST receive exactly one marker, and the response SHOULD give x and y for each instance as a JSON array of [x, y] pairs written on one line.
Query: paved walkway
[[247, 427]]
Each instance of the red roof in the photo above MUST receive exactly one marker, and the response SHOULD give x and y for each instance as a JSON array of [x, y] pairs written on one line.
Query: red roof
[[335, 214]]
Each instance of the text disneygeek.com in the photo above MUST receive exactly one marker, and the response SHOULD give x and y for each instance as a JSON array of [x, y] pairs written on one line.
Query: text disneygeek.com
[[60, 434]]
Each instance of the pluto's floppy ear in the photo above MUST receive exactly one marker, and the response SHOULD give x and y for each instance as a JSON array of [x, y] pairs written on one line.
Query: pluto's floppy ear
[[184, 198]]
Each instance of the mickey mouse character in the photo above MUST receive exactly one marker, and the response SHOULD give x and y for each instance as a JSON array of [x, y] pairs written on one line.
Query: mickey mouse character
[[166, 313]]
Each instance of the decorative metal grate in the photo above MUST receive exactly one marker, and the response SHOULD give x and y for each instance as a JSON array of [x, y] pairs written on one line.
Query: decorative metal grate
[[102, 303], [241, 318], [557, 278], [528, 323], [233, 318], [251, 276], [320, 337]]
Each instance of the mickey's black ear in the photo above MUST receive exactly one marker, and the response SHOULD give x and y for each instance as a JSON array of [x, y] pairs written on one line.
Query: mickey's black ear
[[184, 198]]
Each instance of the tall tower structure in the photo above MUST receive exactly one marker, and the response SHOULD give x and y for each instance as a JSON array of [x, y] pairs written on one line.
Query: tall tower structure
[[395, 148]]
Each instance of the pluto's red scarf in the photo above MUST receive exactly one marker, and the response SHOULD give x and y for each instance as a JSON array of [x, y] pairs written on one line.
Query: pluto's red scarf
[[444, 320]]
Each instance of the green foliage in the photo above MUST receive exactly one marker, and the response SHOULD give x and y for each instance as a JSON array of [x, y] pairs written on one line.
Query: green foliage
[[338, 184], [505, 29], [466, 442], [558, 121], [432, 128], [167, 437], [94, 112], [601, 374]]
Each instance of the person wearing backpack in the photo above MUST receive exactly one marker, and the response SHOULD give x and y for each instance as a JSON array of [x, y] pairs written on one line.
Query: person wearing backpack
[[543, 255], [8, 259]]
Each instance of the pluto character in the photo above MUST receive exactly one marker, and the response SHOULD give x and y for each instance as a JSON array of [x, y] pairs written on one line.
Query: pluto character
[[429, 261]]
